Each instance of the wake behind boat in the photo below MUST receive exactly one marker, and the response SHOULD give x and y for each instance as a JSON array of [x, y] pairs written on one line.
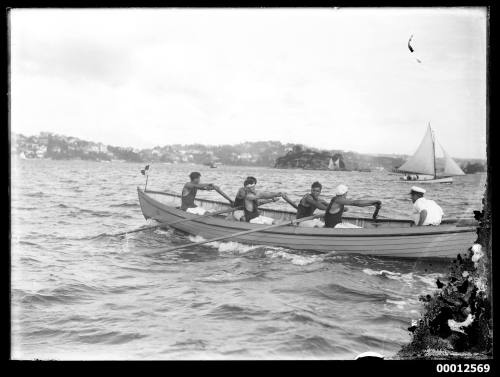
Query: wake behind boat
[[383, 237], [421, 167]]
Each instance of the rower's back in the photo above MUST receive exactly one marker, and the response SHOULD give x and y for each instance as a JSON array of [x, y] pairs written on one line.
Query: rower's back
[[188, 196], [304, 209]]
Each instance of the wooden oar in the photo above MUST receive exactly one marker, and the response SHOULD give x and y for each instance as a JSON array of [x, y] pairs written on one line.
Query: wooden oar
[[234, 235], [375, 213], [176, 222], [224, 195], [289, 201]]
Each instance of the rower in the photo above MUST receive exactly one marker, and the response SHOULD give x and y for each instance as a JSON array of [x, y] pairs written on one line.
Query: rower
[[189, 193], [239, 200], [252, 200], [334, 211], [308, 204], [425, 211]]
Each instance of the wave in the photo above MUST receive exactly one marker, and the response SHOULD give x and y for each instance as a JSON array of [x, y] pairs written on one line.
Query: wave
[[125, 205], [37, 194], [226, 247], [399, 304], [355, 294], [297, 259], [64, 294], [305, 318], [373, 342], [236, 312], [28, 243], [409, 278], [191, 343], [269, 251], [44, 299], [313, 346], [111, 337], [95, 213], [228, 277]]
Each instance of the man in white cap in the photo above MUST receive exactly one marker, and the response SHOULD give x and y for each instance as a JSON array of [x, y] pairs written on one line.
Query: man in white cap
[[425, 211], [334, 211]]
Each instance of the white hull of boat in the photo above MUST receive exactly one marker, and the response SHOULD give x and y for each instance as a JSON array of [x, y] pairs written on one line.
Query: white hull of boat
[[436, 180]]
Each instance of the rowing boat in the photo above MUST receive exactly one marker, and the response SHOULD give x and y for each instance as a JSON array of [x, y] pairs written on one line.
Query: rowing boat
[[396, 238]]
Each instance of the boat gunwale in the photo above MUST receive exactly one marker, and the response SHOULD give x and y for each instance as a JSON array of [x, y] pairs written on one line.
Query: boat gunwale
[[316, 232], [284, 211]]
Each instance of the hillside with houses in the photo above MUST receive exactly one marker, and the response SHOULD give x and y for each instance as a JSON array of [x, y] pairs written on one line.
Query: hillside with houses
[[47, 145]]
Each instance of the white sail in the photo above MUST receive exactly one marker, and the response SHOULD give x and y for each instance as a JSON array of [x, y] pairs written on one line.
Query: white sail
[[337, 163], [422, 162], [450, 166], [330, 165]]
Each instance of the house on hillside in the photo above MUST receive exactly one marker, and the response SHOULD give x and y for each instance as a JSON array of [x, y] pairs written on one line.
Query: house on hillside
[[41, 151], [102, 148]]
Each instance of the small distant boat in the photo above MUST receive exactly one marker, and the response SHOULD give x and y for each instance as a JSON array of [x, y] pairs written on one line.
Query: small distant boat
[[330, 164], [334, 165], [421, 167], [211, 164]]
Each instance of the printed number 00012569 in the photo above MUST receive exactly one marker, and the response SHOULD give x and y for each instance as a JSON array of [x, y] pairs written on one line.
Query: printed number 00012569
[[463, 368]]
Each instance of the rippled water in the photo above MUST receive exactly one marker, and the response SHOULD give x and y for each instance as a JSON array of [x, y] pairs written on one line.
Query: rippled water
[[74, 297]]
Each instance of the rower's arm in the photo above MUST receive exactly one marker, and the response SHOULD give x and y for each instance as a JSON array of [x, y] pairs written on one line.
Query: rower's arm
[[359, 202], [423, 216], [267, 195], [265, 201], [320, 204], [204, 186]]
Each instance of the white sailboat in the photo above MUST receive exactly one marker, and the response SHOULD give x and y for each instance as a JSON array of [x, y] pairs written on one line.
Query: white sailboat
[[337, 164], [330, 164], [422, 165]]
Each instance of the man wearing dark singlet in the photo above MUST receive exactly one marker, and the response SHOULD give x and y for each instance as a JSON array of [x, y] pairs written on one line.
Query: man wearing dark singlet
[[308, 204], [239, 200], [189, 193], [252, 200], [334, 211]]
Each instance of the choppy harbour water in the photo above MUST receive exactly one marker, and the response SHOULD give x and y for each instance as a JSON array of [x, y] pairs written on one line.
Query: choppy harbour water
[[74, 297]]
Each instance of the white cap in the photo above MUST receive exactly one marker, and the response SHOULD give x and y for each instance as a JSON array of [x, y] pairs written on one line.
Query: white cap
[[341, 190], [418, 189]]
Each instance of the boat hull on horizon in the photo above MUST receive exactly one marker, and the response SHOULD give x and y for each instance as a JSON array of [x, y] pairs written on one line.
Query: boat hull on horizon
[[427, 180]]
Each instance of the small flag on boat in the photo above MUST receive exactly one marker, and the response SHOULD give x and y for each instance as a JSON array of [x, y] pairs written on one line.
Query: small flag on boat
[[145, 171]]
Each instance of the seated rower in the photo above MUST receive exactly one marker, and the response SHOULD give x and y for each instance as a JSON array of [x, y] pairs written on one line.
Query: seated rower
[[239, 200], [189, 194], [425, 211], [252, 200], [334, 211], [308, 204]]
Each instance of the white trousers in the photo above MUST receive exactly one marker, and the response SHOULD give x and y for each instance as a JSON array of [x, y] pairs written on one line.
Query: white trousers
[[314, 223], [264, 220], [238, 214], [196, 211], [346, 225]]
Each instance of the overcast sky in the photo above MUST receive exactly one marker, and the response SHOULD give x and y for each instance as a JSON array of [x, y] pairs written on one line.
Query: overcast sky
[[328, 78]]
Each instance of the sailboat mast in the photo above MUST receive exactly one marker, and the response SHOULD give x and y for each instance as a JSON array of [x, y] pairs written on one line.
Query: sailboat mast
[[433, 150]]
